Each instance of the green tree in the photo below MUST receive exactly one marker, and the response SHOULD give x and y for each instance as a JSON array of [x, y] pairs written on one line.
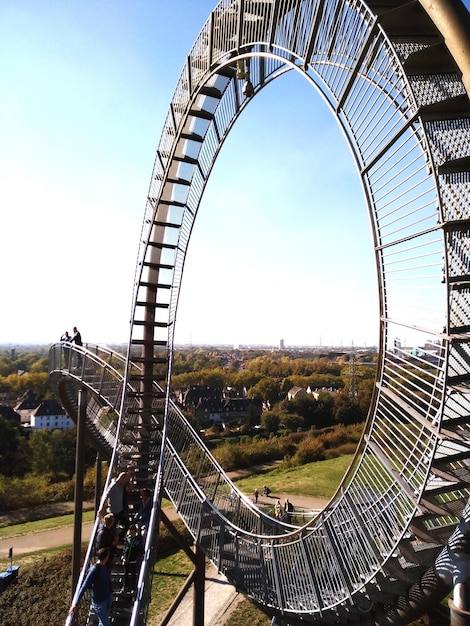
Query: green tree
[[317, 413], [346, 410], [53, 452], [267, 389], [13, 444], [18, 385], [245, 380], [325, 409], [41, 451], [292, 422], [270, 421]]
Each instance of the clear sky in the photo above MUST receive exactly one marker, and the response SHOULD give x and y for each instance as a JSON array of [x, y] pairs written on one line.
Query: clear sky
[[281, 248]]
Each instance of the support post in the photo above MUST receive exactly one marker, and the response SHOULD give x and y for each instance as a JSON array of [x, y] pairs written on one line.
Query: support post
[[199, 586], [459, 549], [78, 500], [459, 606], [453, 21], [98, 475]]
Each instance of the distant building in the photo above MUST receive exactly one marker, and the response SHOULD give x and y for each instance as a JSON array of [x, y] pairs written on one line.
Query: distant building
[[281, 344], [192, 397], [211, 405], [9, 414], [49, 414], [7, 397], [296, 392], [26, 405]]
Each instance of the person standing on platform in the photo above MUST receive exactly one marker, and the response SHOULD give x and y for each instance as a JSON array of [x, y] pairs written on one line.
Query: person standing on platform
[[77, 340], [99, 581], [289, 510], [76, 337]]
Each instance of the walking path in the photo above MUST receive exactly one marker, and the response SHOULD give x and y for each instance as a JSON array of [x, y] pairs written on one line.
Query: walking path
[[63, 536]]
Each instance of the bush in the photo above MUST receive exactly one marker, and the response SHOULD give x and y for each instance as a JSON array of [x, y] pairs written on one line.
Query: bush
[[16, 493], [308, 451], [33, 490]]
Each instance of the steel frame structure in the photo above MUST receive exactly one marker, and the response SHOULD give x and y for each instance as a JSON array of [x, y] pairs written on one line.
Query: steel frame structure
[[394, 77]]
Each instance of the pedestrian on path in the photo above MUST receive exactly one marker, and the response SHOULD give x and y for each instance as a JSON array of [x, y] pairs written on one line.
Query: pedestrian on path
[[99, 581], [289, 510]]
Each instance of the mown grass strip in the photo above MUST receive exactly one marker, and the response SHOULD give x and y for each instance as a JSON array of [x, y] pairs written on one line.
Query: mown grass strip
[[318, 480], [44, 524]]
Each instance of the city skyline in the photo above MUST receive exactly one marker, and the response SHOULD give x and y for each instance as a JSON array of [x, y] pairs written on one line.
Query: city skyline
[[282, 245]]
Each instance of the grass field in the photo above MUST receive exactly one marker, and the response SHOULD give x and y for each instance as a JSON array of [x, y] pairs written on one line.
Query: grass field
[[318, 480]]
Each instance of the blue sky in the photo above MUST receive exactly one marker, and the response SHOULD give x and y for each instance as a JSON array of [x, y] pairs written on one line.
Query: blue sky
[[281, 248]]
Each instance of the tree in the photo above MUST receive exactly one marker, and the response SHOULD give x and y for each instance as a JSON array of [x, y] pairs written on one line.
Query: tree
[[325, 409], [245, 380], [41, 451], [13, 445], [267, 390], [36, 381], [270, 421], [293, 422], [346, 410], [53, 452], [316, 413]]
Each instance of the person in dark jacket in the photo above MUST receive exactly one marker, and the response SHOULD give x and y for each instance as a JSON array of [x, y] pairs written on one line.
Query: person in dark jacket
[[131, 556], [107, 536], [142, 517], [99, 581], [77, 340]]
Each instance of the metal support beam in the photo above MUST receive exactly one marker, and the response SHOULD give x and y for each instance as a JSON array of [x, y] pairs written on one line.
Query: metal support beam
[[79, 476], [458, 617], [453, 21], [199, 586], [98, 476], [197, 578]]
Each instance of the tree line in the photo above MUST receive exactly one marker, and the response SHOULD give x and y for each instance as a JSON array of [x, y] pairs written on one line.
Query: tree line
[[269, 377]]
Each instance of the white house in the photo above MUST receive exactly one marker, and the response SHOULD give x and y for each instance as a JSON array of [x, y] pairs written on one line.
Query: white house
[[49, 414]]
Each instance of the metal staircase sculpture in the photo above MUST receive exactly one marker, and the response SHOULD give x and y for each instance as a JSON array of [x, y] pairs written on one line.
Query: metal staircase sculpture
[[394, 73]]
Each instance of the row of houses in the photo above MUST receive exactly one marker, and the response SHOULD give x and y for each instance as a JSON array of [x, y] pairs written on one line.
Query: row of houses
[[32, 411], [226, 407]]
